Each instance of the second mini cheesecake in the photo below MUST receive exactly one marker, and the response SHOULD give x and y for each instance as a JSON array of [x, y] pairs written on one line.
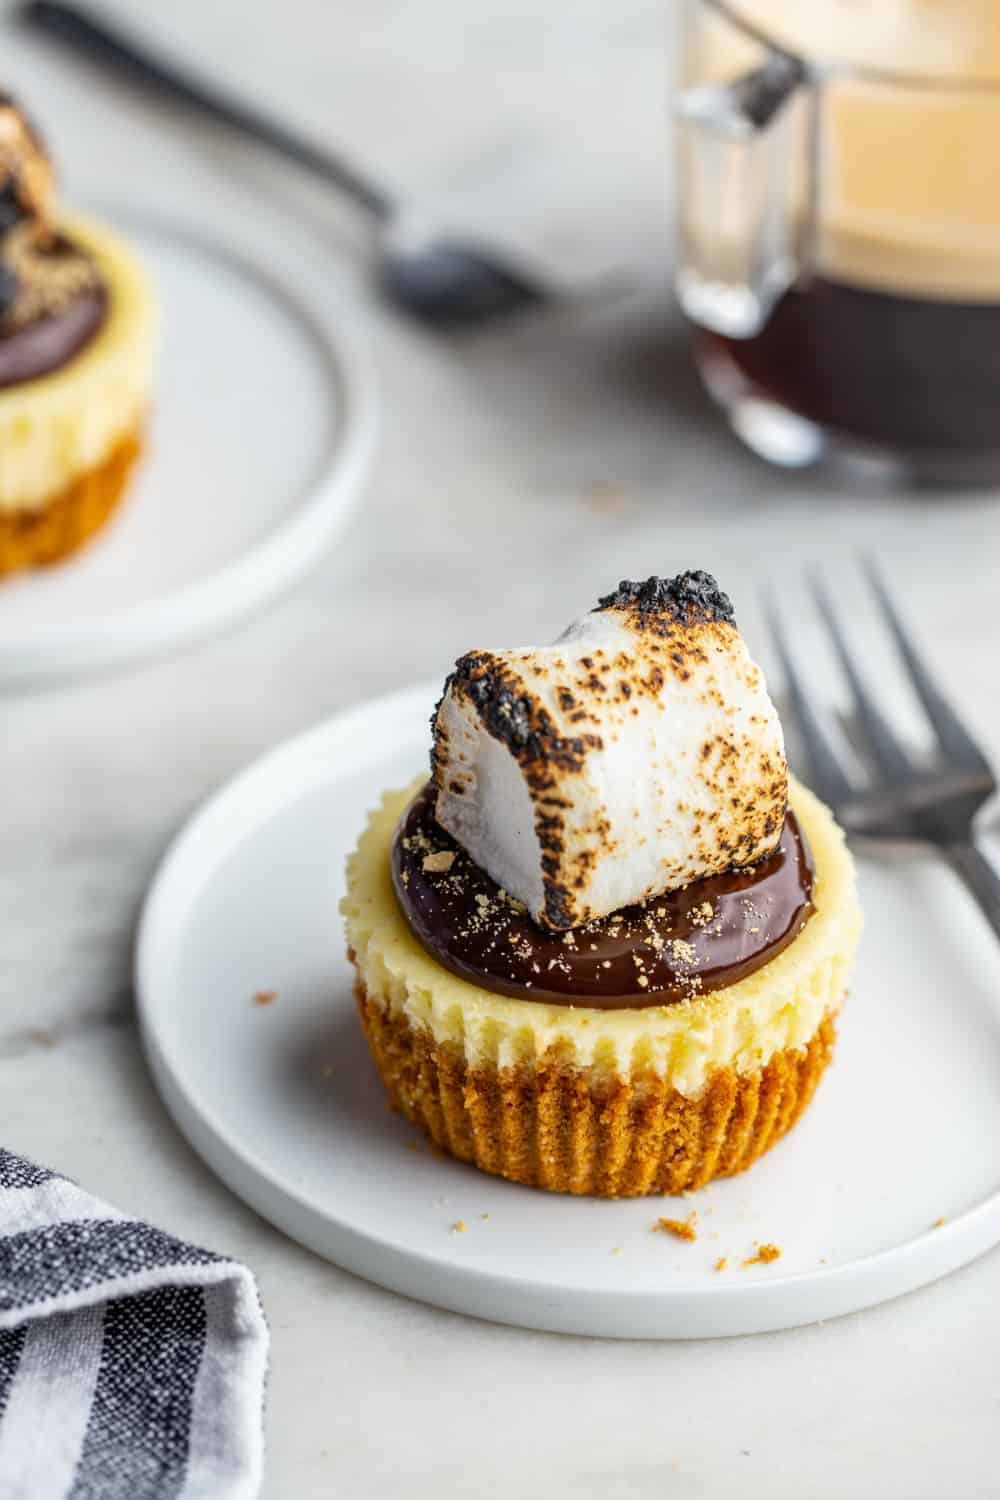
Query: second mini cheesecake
[[78, 339]]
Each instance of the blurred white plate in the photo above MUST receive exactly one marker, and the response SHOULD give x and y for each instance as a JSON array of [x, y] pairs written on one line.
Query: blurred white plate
[[283, 1102], [261, 435]]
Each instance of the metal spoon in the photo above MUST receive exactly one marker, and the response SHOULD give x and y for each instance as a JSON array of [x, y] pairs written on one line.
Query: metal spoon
[[434, 278]]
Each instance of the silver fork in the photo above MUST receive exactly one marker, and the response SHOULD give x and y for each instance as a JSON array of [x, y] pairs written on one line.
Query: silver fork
[[932, 803]]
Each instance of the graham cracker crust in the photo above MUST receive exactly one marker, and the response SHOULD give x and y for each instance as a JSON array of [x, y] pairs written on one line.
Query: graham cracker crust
[[544, 1124], [36, 538]]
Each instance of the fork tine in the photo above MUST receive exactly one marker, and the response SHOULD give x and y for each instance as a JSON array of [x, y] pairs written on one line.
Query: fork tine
[[828, 777], [953, 738], [892, 759]]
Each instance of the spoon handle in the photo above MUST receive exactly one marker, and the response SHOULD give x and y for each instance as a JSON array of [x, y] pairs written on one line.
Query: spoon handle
[[84, 33]]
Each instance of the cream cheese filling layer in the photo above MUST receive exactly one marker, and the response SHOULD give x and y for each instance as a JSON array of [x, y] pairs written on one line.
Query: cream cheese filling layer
[[740, 1027], [56, 428]]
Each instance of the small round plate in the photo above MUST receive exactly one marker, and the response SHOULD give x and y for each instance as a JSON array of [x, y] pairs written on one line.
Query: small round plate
[[262, 431], [890, 1180]]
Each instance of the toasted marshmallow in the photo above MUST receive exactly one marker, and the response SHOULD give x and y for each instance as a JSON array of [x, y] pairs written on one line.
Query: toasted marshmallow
[[638, 753], [26, 177]]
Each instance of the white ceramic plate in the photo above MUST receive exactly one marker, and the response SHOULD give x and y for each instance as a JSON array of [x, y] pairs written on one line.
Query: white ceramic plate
[[261, 435], [284, 1103]]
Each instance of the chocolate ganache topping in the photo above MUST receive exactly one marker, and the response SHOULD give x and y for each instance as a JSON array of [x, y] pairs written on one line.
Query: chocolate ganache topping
[[675, 947], [52, 297]]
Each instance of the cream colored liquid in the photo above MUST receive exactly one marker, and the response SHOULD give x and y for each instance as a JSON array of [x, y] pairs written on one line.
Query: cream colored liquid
[[909, 197]]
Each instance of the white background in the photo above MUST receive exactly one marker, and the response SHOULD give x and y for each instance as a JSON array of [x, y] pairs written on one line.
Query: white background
[[520, 473]]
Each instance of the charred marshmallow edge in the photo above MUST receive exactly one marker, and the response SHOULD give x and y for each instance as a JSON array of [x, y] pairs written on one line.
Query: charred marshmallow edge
[[27, 181], [638, 753]]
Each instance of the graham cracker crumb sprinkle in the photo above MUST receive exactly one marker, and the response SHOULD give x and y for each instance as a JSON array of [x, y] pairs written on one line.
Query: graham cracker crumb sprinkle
[[604, 497], [265, 997], [721, 1263], [682, 1229], [438, 863], [766, 1254]]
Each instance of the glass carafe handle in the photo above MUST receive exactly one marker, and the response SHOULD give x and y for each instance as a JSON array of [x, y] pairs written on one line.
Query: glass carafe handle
[[744, 211]]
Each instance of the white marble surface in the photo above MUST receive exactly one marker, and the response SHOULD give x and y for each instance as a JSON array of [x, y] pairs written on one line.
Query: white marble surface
[[519, 473]]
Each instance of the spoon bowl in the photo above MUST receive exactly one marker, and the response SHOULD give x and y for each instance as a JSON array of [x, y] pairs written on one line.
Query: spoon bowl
[[442, 281]]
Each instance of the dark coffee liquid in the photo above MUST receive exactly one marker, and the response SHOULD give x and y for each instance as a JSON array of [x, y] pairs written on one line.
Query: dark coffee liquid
[[898, 372]]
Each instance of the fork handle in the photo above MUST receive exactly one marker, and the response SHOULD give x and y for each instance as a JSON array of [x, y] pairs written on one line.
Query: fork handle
[[979, 876]]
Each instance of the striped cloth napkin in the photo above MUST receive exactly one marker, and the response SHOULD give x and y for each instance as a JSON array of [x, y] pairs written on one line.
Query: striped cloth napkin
[[132, 1365]]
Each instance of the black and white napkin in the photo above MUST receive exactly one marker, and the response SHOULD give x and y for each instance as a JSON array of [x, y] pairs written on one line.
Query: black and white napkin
[[132, 1365]]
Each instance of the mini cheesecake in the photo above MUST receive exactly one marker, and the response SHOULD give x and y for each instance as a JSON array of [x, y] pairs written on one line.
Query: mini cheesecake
[[78, 336], [571, 1044]]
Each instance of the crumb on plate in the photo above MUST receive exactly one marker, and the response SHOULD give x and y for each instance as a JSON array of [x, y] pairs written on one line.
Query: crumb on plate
[[766, 1254], [682, 1229]]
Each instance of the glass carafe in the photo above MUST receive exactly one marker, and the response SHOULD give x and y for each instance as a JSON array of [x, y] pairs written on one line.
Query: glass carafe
[[838, 222]]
